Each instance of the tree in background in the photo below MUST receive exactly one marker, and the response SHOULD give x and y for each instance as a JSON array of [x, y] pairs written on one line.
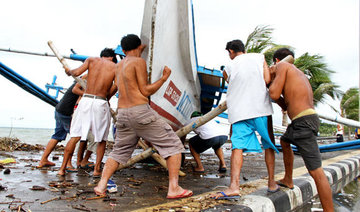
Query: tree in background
[[260, 41], [349, 105]]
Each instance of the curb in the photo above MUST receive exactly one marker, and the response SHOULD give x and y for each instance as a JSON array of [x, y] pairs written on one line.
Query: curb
[[339, 175]]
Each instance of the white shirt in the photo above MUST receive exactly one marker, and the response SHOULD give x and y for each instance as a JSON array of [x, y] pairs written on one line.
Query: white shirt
[[209, 130], [247, 96]]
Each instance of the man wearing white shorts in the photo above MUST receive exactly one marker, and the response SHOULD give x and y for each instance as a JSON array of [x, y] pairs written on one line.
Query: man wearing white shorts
[[93, 112]]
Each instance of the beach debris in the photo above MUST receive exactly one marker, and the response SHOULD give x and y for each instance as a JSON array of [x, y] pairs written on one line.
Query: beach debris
[[158, 188], [52, 199], [8, 160], [97, 197], [3, 188], [245, 178], [37, 188], [11, 196], [111, 186], [55, 157], [12, 144], [80, 207], [7, 171]]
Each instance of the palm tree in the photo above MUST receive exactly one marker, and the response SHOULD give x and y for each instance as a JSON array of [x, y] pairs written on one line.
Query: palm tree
[[260, 41], [349, 105]]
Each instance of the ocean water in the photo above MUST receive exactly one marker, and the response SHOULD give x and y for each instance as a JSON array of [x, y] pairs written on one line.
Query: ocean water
[[34, 135], [28, 135]]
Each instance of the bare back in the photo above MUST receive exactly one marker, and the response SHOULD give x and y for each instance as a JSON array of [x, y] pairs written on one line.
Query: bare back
[[130, 75], [101, 74], [293, 84]]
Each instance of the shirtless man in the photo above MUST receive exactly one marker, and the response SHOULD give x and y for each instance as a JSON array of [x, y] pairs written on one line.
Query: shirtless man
[[298, 96], [93, 111], [136, 119]]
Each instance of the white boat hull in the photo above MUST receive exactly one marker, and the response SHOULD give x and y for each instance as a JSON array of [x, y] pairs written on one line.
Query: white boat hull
[[167, 30]]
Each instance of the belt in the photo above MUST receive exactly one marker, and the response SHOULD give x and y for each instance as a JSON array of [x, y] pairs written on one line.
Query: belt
[[94, 97]]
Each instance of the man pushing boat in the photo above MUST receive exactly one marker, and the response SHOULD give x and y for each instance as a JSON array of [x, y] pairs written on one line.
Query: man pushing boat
[[93, 111], [297, 93], [136, 119]]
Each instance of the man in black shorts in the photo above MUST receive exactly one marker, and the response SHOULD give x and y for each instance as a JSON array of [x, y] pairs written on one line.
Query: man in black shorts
[[298, 97]]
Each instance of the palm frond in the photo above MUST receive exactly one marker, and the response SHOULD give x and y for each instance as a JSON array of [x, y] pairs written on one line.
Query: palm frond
[[259, 39]]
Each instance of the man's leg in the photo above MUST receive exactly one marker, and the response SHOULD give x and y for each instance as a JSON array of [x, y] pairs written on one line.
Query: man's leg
[[236, 164], [49, 148], [288, 157], [270, 165], [69, 150], [323, 187], [173, 163], [109, 169], [85, 161], [199, 167], [220, 154], [80, 153], [99, 156]]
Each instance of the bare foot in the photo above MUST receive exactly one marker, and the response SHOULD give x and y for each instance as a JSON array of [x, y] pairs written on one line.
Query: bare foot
[[228, 192], [272, 186], [199, 170], [100, 189], [45, 164], [97, 173], [284, 183], [179, 193], [61, 172]]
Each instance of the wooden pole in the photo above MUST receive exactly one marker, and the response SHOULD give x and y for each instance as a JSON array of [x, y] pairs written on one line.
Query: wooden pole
[[137, 158], [64, 63]]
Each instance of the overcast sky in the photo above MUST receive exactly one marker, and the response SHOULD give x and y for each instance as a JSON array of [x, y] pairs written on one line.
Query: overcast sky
[[326, 27]]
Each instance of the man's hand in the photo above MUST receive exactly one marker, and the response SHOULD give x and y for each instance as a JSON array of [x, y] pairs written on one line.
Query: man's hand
[[166, 73], [67, 71]]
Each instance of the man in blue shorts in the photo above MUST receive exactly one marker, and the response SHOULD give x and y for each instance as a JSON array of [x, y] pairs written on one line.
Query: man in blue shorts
[[249, 105], [63, 111]]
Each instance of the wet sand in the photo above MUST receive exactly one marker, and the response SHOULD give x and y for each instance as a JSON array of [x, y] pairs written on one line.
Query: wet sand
[[142, 185]]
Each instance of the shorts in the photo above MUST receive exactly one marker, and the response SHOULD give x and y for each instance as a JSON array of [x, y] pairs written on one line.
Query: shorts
[[244, 136], [302, 133], [91, 144], [91, 114], [143, 122], [201, 145], [62, 127]]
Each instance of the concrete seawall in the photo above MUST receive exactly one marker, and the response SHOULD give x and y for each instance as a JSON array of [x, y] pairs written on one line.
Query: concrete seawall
[[339, 175], [340, 170]]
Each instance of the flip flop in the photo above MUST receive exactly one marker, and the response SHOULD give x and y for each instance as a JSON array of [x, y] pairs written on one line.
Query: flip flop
[[275, 190], [198, 172], [70, 169], [283, 185], [182, 195], [96, 176], [226, 197], [89, 165], [44, 166], [222, 169]]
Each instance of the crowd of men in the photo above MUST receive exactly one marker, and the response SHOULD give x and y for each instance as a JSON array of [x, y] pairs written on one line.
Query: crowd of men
[[251, 86]]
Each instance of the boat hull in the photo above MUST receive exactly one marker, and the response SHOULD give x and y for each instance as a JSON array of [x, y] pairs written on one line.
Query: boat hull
[[167, 30]]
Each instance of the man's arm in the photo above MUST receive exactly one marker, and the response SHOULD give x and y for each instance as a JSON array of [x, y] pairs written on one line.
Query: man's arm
[[77, 89], [281, 102], [277, 85], [78, 71], [141, 75], [267, 77], [112, 91], [225, 76]]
